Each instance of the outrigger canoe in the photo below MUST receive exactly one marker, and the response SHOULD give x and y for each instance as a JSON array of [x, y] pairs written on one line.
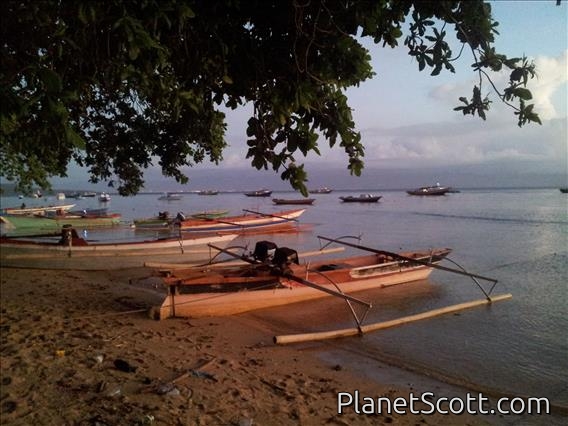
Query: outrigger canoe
[[42, 224], [41, 210], [73, 252], [217, 291], [252, 221]]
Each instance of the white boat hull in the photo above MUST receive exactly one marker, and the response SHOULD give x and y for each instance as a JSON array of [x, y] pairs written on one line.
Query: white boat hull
[[221, 304], [111, 256]]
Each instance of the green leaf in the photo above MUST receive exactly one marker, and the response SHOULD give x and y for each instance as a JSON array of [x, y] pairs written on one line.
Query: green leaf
[[522, 93]]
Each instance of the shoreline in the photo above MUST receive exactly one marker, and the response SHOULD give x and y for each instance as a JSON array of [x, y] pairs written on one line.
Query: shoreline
[[78, 347]]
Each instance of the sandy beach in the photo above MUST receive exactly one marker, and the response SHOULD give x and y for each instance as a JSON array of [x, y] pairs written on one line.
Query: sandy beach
[[79, 348]]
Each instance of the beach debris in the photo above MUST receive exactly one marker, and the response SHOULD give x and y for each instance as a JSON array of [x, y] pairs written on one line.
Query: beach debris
[[60, 353], [125, 366], [165, 388], [115, 392], [246, 422], [148, 419], [99, 359], [203, 375]]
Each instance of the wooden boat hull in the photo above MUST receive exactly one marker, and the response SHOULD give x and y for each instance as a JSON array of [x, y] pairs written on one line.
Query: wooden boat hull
[[210, 214], [280, 291], [368, 199], [82, 255], [151, 223], [242, 223], [37, 210], [38, 224], [303, 201]]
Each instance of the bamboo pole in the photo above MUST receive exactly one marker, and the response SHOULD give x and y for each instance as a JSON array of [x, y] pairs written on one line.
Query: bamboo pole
[[225, 263], [308, 337], [409, 259]]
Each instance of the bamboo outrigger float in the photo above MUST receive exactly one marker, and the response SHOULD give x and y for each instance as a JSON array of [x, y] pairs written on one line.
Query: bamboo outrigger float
[[272, 276]]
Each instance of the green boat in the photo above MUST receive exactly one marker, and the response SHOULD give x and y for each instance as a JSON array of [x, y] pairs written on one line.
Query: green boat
[[20, 224], [210, 214]]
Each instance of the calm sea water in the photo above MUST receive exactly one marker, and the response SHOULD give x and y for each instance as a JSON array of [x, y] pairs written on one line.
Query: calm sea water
[[520, 237]]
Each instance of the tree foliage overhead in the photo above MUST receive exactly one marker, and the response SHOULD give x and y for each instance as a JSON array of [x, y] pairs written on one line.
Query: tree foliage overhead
[[116, 85]]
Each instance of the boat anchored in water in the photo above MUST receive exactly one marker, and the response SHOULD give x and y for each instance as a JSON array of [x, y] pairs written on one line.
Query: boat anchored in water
[[430, 190]]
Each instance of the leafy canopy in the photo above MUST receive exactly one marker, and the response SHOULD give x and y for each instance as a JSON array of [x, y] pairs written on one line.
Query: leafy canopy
[[115, 85]]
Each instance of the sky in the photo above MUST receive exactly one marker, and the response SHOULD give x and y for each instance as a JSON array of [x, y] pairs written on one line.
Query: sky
[[406, 117], [407, 121]]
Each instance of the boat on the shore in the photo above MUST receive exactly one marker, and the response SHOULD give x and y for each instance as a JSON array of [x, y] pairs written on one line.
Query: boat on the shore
[[250, 221], [363, 198], [69, 251], [40, 210], [259, 193], [161, 221], [210, 214], [430, 190], [296, 201], [275, 277], [24, 224]]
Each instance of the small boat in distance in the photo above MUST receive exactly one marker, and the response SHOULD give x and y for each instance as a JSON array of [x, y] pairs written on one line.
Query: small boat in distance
[[564, 190], [170, 196], [430, 190], [301, 201], [259, 193], [363, 198], [207, 192], [322, 190], [104, 197]]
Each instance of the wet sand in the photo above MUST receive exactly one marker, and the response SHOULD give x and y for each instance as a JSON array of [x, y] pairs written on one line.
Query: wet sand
[[79, 348]]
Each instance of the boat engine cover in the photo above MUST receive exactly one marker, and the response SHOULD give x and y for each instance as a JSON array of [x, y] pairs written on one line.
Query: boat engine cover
[[285, 256], [264, 250]]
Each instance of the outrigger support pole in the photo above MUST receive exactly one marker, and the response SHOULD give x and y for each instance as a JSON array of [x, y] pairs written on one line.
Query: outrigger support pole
[[409, 259]]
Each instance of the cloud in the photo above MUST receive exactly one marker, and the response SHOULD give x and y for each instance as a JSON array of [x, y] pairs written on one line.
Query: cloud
[[466, 142], [552, 76]]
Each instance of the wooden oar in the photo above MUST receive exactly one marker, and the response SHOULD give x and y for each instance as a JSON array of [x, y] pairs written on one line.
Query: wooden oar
[[271, 215], [409, 259], [300, 280]]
